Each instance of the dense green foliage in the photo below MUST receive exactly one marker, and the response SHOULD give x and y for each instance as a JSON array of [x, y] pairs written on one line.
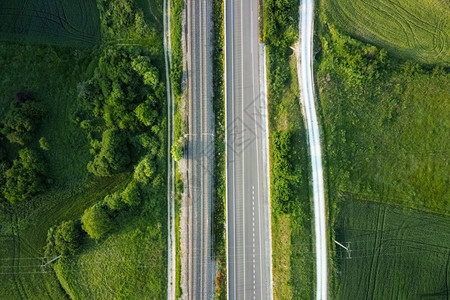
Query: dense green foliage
[[96, 221], [113, 155], [385, 124], [410, 29], [22, 121], [25, 178], [67, 23], [397, 253], [291, 223], [219, 217], [63, 239]]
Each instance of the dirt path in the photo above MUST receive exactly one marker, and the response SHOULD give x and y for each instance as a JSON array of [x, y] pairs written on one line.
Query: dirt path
[[171, 261]]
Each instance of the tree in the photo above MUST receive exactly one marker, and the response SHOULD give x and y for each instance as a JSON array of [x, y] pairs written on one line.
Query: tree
[[132, 195], [114, 155], [96, 221], [145, 170], [114, 201], [26, 176], [21, 121], [43, 143], [64, 239]]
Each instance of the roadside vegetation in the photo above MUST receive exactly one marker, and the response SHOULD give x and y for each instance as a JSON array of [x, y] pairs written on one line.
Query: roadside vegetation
[[417, 30], [219, 235], [83, 162], [292, 257], [385, 126], [177, 150]]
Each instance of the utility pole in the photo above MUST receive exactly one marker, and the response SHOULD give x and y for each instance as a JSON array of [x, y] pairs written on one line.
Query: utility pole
[[347, 249], [44, 263]]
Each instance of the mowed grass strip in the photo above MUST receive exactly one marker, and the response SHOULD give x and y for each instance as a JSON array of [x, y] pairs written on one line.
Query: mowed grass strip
[[417, 30], [397, 253], [68, 23]]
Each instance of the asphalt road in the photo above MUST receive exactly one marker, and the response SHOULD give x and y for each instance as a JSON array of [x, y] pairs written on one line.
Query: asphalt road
[[307, 96], [247, 251], [200, 269]]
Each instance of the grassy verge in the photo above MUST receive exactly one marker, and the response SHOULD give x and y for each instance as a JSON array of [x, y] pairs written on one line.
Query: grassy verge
[[176, 11], [292, 256], [219, 243]]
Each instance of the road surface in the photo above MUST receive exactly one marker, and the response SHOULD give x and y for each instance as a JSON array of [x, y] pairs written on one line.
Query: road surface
[[306, 83], [199, 152], [248, 252]]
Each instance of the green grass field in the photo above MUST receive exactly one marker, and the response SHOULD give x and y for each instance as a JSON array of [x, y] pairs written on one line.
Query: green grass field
[[396, 253], [52, 75], [385, 123], [418, 30], [126, 265], [58, 22]]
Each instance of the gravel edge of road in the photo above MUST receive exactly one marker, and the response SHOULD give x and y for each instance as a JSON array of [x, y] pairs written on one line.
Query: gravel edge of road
[[171, 244]]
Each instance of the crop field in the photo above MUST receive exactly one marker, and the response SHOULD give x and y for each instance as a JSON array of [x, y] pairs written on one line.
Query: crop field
[[417, 29], [396, 253], [73, 23]]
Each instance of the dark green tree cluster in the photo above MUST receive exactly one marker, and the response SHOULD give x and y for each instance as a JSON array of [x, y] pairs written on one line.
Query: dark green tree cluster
[[21, 121], [63, 239], [26, 177], [122, 104], [280, 23], [23, 177], [99, 219], [96, 221], [113, 155]]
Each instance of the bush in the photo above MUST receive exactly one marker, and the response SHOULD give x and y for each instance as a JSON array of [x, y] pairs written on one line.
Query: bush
[[96, 221], [132, 195], [43, 143], [26, 177], [64, 239], [114, 155], [114, 201], [22, 121], [145, 170], [177, 152]]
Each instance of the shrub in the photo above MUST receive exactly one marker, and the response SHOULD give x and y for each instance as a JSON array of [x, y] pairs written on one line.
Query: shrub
[[145, 170], [26, 176], [177, 152], [114, 201], [114, 155], [64, 239], [43, 143], [96, 221], [21, 121], [132, 195]]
